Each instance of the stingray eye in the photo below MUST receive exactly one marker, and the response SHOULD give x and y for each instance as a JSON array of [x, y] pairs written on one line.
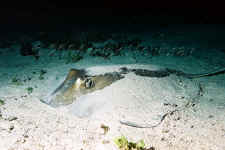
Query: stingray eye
[[89, 83]]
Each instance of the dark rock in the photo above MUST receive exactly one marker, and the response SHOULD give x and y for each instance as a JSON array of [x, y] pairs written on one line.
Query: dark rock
[[26, 49]]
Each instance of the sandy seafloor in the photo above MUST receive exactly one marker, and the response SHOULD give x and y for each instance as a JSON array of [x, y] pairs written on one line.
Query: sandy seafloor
[[28, 124]]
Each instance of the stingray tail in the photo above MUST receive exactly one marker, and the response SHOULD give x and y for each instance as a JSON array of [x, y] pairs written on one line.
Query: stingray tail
[[211, 73], [191, 76]]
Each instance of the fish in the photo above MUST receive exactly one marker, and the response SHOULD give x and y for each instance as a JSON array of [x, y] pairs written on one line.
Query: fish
[[78, 82]]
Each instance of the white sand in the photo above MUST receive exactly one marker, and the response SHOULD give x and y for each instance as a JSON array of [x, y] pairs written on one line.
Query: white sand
[[38, 126]]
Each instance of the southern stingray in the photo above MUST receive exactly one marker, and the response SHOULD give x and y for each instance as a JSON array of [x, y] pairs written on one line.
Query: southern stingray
[[78, 82]]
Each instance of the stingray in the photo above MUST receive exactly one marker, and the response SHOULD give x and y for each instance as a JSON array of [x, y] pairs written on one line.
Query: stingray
[[78, 82]]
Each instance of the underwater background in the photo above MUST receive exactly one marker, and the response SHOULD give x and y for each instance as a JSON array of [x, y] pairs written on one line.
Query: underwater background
[[38, 49]]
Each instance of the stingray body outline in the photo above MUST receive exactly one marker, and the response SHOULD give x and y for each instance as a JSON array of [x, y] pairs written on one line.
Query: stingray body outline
[[78, 82]]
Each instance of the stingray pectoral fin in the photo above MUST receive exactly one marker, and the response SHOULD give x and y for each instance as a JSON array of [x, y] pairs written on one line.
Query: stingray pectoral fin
[[66, 96], [60, 100], [69, 80], [66, 92]]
